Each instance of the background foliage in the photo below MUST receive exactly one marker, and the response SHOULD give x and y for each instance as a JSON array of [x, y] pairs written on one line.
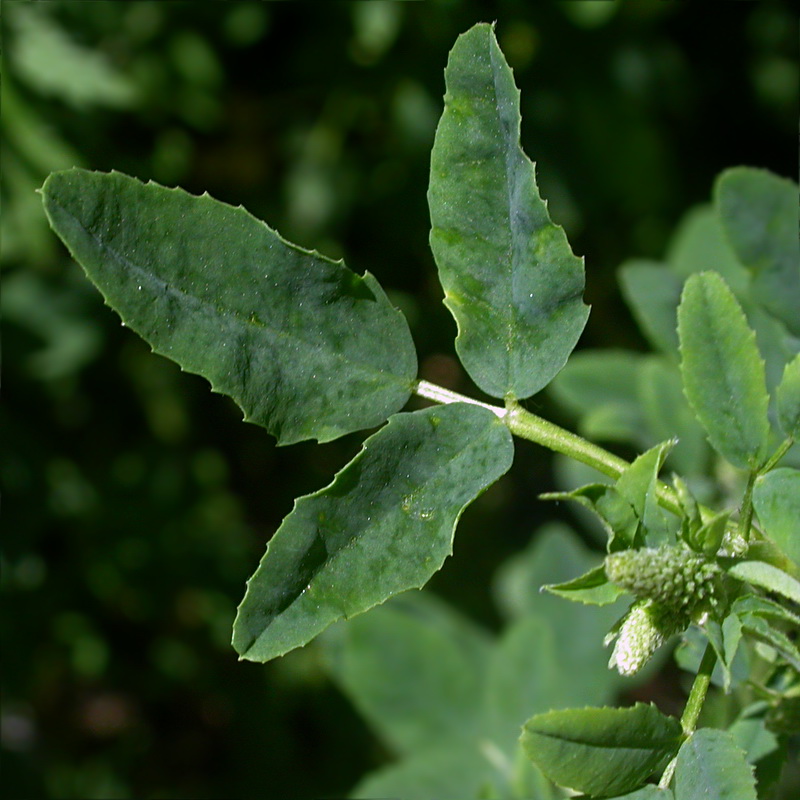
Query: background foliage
[[137, 502]]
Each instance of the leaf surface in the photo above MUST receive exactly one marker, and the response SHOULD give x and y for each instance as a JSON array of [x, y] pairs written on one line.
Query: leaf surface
[[652, 292], [767, 577], [384, 525], [600, 386], [414, 668], [759, 213], [711, 766], [723, 373], [307, 348], [776, 497], [510, 278], [787, 396], [601, 751]]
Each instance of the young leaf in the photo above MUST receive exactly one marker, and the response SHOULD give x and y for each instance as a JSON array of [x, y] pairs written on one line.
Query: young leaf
[[723, 374], [615, 512], [652, 292], [637, 485], [787, 396], [759, 212], [306, 347], [510, 278], [776, 497], [711, 766], [591, 588], [601, 751], [384, 525]]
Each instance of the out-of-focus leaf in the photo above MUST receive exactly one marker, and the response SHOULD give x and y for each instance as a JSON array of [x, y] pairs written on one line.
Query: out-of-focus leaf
[[759, 212], [667, 414], [776, 497], [414, 668], [788, 399], [767, 577], [600, 387], [653, 292]]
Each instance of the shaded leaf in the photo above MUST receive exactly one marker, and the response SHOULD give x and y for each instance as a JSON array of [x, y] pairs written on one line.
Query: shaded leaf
[[384, 525], [600, 387], [762, 630], [667, 414], [700, 243], [445, 771], [555, 552], [759, 213], [414, 668], [776, 497], [652, 292], [787, 397], [551, 658], [723, 373], [510, 278], [306, 347], [711, 766], [602, 751]]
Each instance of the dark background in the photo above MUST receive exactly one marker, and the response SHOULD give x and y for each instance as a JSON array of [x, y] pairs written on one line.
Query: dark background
[[137, 503]]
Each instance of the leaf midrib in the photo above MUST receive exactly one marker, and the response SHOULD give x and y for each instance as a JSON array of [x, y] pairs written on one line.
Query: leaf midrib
[[241, 320]]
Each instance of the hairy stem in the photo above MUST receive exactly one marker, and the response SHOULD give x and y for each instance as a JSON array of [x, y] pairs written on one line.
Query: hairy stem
[[694, 705], [746, 513], [697, 695], [529, 426]]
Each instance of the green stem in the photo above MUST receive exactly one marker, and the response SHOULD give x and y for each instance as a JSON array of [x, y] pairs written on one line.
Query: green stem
[[777, 455], [535, 429], [746, 513], [697, 694], [694, 705]]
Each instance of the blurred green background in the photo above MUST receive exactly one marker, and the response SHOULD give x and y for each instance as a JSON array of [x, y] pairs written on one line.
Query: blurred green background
[[137, 503]]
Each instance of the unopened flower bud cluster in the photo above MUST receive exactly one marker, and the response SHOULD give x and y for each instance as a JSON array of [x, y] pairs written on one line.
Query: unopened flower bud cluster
[[671, 575], [646, 627]]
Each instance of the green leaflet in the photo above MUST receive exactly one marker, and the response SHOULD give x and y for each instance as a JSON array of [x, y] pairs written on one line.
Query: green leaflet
[[384, 525], [306, 347], [711, 766], [767, 577], [787, 395], [759, 213], [652, 292], [510, 278], [723, 373], [414, 668], [591, 588], [600, 386], [601, 751], [776, 497]]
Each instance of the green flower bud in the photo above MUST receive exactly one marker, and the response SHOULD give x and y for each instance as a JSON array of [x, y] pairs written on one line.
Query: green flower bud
[[644, 629], [674, 576]]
